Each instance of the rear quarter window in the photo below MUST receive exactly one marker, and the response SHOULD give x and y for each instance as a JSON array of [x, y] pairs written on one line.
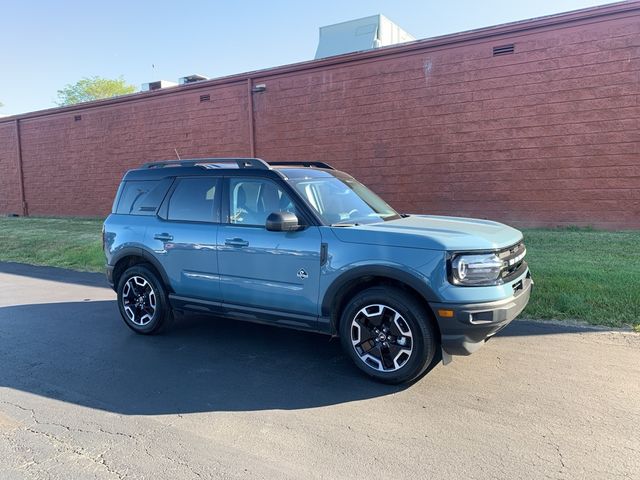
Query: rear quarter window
[[142, 197]]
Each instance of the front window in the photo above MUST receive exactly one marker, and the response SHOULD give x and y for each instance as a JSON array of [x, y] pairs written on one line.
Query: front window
[[253, 199], [342, 200]]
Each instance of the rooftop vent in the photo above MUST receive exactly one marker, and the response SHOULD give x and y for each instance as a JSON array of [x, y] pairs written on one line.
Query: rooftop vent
[[360, 34], [503, 50], [160, 84], [191, 79]]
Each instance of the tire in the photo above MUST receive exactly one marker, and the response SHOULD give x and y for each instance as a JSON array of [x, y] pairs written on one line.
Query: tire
[[389, 335], [142, 300]]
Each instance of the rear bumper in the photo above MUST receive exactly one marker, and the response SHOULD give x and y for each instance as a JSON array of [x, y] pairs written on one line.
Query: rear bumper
[[474, 323]]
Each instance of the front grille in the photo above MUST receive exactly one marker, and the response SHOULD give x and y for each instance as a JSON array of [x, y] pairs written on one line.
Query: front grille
[[513, 260]]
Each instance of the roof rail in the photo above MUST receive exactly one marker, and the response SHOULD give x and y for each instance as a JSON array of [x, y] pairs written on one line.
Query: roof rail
[[302, 164], [240, 162]]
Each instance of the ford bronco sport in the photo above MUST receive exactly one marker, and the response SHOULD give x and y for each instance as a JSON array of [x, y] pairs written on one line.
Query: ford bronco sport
[[302, 245]]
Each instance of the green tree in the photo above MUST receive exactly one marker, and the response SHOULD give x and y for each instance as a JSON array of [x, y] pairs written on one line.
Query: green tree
[[93, 88]]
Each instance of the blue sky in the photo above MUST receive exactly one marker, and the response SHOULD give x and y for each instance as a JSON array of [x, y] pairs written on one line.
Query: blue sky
[[49, 44]]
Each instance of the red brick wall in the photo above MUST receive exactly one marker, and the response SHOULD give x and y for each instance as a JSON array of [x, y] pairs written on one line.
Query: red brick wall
[[547, 136], [74, 167]]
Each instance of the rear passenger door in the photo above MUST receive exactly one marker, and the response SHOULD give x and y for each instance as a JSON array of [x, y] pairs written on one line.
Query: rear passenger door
[[183, 237]]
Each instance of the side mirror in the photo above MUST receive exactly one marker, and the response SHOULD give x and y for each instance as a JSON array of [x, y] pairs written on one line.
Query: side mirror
[[282, 222]]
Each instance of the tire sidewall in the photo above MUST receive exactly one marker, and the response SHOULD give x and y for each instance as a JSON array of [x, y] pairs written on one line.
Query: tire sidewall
[[424, 343], [162, 310]]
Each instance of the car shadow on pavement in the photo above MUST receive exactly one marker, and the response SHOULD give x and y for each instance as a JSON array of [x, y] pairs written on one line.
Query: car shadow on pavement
[[82, 352]]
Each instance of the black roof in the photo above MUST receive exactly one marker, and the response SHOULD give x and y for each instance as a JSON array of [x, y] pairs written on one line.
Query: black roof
[[197, 166]]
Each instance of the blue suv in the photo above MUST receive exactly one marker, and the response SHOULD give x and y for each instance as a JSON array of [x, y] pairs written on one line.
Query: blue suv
[[302, 245]]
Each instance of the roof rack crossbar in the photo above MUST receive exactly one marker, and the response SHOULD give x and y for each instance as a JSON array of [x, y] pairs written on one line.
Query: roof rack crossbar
[[302, 164], [256, 163]]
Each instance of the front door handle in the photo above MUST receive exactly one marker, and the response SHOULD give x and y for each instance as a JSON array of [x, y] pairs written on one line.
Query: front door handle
[[165, 237], [236, 242]]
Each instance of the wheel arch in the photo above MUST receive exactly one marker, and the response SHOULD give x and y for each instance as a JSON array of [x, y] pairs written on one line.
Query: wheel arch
[[136, 256], [358, 279]]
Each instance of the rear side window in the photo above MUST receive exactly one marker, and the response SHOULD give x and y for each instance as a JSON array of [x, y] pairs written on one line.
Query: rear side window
[[195, 200], [133, 197]]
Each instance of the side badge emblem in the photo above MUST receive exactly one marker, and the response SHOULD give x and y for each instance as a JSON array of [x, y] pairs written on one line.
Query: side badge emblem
[[302, 274]]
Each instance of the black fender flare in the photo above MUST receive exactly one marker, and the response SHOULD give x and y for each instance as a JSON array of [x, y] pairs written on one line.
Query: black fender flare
[[147, 256], [382, 271]]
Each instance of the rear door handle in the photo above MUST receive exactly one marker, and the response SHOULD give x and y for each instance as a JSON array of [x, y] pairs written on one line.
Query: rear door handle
[[165, 237], [236, 242]]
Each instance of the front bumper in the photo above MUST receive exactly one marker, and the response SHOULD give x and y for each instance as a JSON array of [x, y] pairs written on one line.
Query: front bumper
[[109, 273], [474, 323]]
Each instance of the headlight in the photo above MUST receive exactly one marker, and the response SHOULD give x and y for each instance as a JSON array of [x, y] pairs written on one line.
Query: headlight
[[482, 269]]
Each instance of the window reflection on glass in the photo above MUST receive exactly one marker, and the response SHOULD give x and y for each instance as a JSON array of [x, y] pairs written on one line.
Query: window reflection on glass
[[194, 200], [343, 200], [252, 200]]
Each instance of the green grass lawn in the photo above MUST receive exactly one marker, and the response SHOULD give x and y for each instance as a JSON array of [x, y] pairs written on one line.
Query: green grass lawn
[[585, 275], [60, 242]]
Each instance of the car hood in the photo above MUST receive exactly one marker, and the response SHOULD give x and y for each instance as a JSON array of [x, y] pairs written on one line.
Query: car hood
[[433, 232]]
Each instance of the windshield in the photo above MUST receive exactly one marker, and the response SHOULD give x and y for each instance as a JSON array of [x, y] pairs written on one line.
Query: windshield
[[343, 200]]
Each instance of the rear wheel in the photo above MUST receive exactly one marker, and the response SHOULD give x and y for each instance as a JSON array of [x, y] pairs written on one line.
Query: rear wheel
[[388, 334], [142, 300]]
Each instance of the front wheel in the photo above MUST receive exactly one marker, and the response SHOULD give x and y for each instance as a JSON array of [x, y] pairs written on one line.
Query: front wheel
[[142, 300], [388, 334]]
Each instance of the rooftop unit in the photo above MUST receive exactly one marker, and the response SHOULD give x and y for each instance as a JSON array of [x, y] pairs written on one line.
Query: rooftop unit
[[191, 79], [360, 34], [157, 85]]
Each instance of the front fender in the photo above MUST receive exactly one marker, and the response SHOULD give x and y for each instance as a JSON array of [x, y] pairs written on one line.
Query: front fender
[[403, 274]]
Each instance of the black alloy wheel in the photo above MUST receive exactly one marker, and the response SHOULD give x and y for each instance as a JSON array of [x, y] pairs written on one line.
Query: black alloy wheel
[[142, 300], [389, 334]]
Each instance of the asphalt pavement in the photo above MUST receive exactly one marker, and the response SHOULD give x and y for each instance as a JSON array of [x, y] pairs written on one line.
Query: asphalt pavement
[[83, 397]]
